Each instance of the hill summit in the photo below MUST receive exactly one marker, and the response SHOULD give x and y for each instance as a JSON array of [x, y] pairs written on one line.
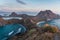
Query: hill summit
[[47, 14]]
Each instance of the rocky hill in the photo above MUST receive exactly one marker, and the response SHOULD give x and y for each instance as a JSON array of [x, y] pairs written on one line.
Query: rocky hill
[[48, 14], [41, 16], [13, 14], [45, 15]]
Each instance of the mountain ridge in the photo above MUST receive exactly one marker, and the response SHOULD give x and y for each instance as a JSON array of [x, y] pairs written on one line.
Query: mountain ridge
[[41, 16], [45, 15]]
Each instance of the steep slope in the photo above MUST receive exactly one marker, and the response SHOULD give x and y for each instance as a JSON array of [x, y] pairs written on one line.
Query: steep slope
[[45, 15], [41, 16], [48, 14], [2, 22], [13, 14]]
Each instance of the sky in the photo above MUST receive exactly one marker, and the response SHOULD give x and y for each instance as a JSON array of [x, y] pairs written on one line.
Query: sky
[[30, 5]]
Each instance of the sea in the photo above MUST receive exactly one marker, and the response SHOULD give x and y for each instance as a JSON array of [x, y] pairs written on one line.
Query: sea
[[10, 30], [54, 22]]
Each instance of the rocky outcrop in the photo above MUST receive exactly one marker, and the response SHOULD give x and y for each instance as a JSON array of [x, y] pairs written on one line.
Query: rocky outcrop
[[34, 34], [2, 22]]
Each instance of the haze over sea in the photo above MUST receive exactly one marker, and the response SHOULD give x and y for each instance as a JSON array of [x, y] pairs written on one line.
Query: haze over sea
[[28, 13]]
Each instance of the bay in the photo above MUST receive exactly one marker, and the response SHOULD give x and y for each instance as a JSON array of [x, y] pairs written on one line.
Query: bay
[[11, 30], [54, 22]]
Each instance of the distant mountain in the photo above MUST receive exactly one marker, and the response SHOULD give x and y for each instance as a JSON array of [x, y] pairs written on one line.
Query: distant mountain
[[41, 16], [48, 14], [45, 15], [13, 14]]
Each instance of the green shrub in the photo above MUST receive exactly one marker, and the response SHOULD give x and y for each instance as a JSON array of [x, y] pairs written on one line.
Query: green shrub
[[50, 29]]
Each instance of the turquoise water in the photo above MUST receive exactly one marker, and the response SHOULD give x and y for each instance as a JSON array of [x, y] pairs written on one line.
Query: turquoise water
[[10, 30], [8, 18], [55, 22]]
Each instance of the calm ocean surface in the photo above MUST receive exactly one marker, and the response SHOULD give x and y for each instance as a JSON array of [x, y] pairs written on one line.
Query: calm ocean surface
[[11, 30], [55, 22]]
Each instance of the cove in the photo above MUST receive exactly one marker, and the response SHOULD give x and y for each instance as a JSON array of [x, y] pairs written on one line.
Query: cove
[[54, 22], [11, 30]]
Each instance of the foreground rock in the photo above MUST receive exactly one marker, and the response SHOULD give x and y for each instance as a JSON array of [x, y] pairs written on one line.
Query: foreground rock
[[34, 34]]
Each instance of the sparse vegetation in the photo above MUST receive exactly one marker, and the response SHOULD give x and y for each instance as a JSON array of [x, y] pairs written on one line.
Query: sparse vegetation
[[44, 33], [50, 29], [33, 32]]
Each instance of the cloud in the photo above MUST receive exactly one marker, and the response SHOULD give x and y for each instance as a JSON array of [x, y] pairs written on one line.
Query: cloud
[[19, 1]]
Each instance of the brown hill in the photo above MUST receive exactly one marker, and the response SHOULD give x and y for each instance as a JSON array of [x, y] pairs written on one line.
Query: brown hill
[[41, 16], [45, 15], [13, 14], [48, 14], [2, 22]]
